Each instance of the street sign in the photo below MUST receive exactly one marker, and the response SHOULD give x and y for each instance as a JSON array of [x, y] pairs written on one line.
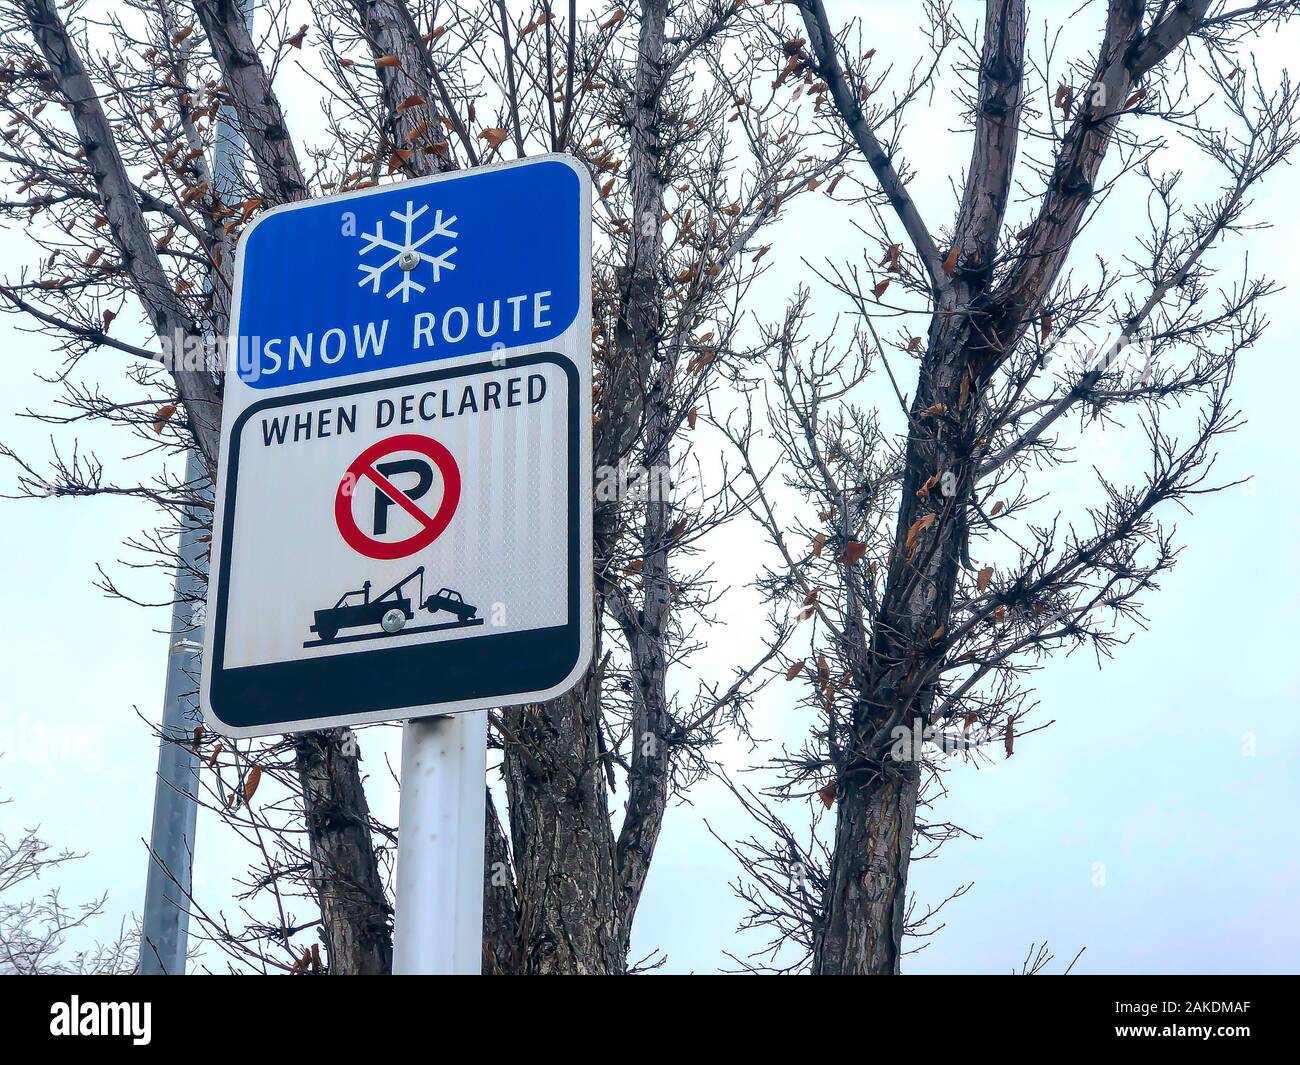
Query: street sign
[[403, 516]]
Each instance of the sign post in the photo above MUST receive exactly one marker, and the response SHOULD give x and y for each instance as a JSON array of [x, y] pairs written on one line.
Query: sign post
[[403, 517], [439, 926]]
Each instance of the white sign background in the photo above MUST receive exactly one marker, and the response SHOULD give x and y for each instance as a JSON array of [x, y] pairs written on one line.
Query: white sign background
[[504, 550]]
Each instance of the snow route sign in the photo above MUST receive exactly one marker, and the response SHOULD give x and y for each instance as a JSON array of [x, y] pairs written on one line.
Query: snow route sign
[[403, 514]]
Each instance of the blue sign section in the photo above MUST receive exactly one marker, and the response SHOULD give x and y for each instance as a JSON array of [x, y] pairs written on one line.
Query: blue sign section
[[418, 272]]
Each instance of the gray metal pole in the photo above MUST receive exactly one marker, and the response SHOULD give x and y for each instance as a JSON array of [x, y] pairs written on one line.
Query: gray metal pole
[[164, 933]]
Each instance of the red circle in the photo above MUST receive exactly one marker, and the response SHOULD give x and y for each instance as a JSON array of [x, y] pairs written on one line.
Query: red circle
[[363, 466]]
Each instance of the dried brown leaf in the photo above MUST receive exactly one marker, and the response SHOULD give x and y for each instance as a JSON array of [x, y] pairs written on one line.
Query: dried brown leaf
[[852, 553], [163, 416], [917, 527], [253, 779]]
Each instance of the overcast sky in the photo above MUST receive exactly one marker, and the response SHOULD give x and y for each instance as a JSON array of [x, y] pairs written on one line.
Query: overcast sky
[[1151, 823]]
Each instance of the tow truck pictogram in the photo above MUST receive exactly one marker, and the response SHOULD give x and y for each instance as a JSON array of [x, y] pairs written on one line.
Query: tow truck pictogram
[[390, 610]]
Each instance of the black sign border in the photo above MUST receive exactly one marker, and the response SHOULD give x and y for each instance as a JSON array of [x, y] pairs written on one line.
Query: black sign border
[[364, 684]]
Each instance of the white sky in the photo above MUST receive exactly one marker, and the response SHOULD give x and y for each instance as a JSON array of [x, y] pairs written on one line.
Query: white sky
[[1134, 826]]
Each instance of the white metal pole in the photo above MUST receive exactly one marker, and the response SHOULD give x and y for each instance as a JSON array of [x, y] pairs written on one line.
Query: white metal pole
[[439, 922]]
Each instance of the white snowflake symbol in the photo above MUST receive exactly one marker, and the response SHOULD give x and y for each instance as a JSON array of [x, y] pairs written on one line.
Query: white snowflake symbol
[[407, 255]]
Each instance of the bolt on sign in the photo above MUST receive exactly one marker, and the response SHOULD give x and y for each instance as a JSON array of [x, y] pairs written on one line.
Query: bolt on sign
[[403, 522]]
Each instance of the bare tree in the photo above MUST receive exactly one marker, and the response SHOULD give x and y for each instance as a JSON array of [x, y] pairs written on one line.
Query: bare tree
[[108, 132], [34, 928], [931, 572]]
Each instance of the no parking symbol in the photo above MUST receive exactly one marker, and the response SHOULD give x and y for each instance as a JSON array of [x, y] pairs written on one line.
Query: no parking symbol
[[370, 466]]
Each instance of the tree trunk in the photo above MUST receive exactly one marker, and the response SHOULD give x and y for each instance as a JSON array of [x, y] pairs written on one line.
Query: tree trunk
[[563, 846], [355, 914], [501, 954], [863, 927], [575, 909], [877, 793]]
